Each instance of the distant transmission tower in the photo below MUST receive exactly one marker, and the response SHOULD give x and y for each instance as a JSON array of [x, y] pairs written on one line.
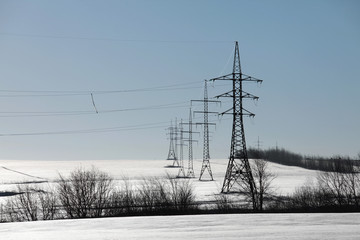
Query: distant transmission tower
[[181, 172], [190, 171], [172, 155], [238, 168], [206, 149]]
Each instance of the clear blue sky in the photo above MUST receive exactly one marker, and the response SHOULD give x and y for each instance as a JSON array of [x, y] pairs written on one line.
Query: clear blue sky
[[307, 53]]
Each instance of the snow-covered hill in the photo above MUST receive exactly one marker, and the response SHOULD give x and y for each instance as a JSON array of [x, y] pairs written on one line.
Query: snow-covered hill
[[13, 172], [231, 226]]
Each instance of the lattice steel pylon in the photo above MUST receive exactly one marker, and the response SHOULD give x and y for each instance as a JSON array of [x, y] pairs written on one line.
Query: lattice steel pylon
[[172, 155], [238, 169], [181, 172], [190, 171], [206, 149]]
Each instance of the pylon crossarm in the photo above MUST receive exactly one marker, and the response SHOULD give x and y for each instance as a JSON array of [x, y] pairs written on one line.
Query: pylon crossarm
[[227, 94], [249, 95], [227, 112], [251, 79], [248, 113], [209, 101], [205, 112], [206, 123], [225, 77]]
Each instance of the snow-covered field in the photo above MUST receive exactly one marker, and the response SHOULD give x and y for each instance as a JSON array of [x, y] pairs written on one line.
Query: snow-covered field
[[13, 172], [232, 226]]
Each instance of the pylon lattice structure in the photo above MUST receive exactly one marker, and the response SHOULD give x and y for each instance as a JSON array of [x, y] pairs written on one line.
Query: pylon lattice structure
[[238, 169], [172, 153], [173, 136], [181, 172], [190, 171], [206, 149]]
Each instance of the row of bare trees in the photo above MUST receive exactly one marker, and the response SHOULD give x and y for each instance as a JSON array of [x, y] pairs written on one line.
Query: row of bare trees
[[92, 193], [336, 189]]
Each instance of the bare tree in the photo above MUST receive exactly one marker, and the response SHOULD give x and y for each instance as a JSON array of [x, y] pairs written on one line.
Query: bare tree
[[342, 182], [263, 178]]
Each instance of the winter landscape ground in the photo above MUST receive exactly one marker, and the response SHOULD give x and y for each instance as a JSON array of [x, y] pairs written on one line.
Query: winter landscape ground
[[230, 226]]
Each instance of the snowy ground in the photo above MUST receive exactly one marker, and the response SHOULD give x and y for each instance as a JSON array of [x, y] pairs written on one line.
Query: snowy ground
[[231, 226], [13, 172]]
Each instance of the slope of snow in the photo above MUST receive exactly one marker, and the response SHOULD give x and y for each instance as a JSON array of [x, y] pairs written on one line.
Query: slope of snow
[[230, 226], [13, 172]]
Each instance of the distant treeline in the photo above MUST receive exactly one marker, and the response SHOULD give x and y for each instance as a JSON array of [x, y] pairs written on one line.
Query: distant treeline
[[289, 158]]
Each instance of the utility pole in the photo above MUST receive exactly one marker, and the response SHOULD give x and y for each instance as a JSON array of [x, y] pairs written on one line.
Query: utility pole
[[238, 168], [206, 149]]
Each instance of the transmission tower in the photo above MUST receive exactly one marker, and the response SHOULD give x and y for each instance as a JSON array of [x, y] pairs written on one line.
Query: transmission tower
[[238, 169], [190, 171], [206, 150], [181, 172], [172, 155]]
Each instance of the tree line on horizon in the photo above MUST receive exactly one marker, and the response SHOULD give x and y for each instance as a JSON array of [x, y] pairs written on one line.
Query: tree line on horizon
[[288, 158]]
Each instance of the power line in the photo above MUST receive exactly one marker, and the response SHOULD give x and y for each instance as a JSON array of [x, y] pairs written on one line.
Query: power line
[[56, 93], [94, 130], [108, 39], [67, 113]]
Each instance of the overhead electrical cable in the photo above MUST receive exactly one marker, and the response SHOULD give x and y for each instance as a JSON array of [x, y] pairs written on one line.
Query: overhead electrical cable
[[4, 93], [67, 113], [23, 35], [94, 130], [48, 93]]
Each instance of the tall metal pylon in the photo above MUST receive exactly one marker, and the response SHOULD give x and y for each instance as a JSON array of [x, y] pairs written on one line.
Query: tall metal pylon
[[206, 149], [181, 172], [190, 171], [238, 169], [171, 154]]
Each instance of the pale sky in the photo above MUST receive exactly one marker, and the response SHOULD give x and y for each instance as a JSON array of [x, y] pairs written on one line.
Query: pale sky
[[54, 54]]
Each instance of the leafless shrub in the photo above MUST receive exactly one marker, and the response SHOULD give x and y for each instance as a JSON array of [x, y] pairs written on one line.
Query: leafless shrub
[[48, 205], [338, 188], [24, 206], [122, 201], [223, 203], [182, 194], [342, 183], [84, 193]]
